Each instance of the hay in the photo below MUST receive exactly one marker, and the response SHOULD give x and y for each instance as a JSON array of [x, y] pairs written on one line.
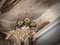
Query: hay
[[20, 36], [24, 37]]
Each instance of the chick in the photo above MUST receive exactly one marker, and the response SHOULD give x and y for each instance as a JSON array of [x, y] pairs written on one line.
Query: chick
[[29, 23], [32, 25], [26, 23], [19, 24], [23, 23]]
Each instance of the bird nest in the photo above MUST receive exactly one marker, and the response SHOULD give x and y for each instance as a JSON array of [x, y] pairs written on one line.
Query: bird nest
[[23, 37]]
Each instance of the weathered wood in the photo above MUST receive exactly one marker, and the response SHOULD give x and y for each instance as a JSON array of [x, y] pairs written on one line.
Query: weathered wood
[[25, 8]]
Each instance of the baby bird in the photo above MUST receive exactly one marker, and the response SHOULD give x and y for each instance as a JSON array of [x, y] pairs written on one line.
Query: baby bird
[[26, 23]]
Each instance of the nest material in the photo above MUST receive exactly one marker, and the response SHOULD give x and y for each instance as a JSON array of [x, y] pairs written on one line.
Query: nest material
[[20, 36], [24, 37]]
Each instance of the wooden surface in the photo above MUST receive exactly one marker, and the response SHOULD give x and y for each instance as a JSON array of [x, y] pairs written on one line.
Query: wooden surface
[[30, 8]]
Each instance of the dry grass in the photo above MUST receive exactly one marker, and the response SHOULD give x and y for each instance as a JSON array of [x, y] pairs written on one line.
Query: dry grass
[[22, 37]]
